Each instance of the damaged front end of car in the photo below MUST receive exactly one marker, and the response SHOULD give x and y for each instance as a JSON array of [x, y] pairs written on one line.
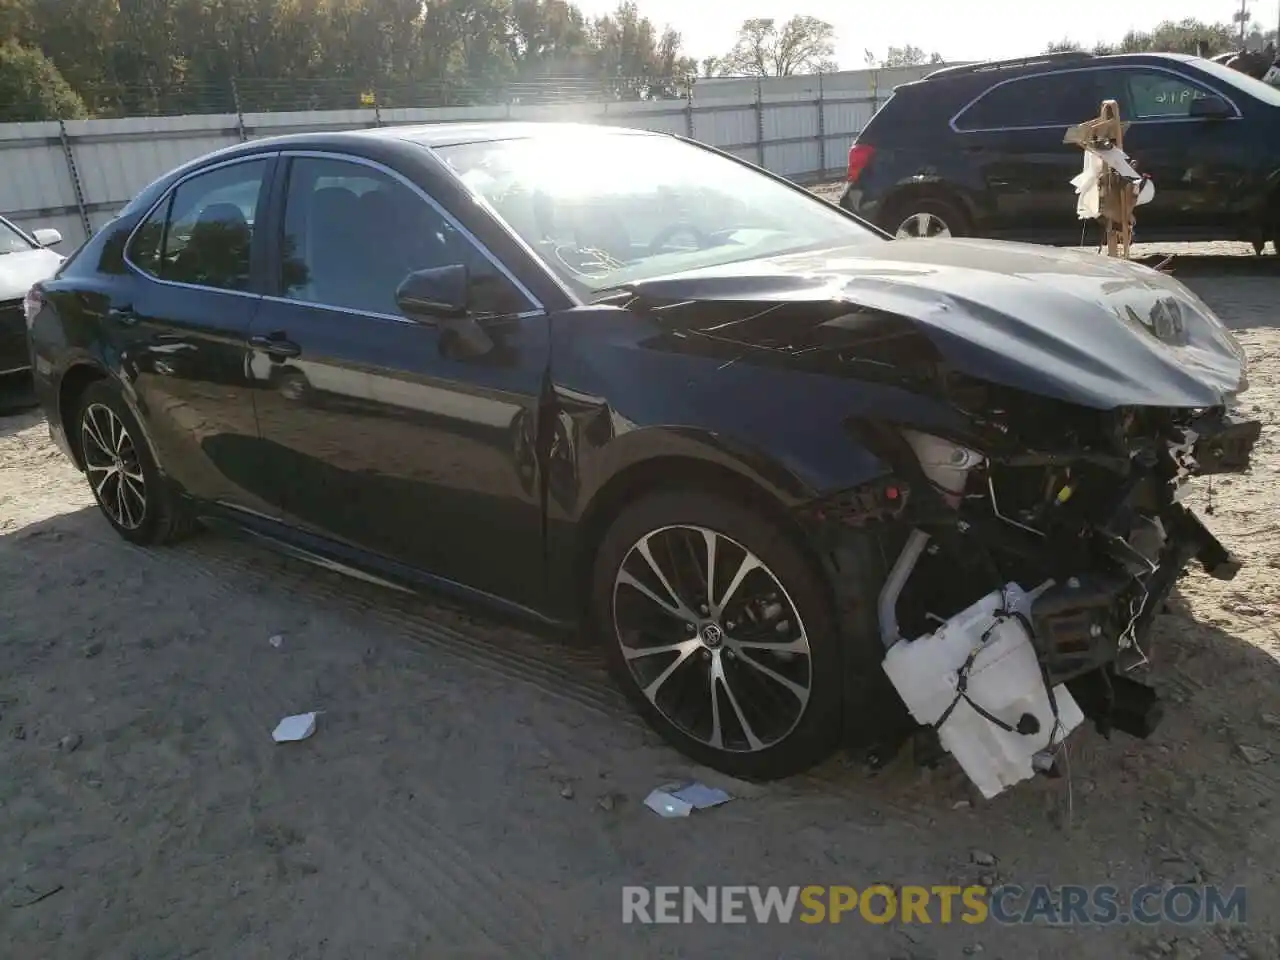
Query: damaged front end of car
[[1034, 556], [1034, 528]]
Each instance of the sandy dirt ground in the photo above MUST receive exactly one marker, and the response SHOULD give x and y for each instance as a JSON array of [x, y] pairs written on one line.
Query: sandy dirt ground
[[475, 791]]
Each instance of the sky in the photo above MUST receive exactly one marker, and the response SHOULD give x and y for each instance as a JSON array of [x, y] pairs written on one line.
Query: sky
[[977, 30]]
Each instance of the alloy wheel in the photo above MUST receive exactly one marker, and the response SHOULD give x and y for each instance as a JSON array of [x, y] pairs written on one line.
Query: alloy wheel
[[711, 638], [111, 462], [920, 225]]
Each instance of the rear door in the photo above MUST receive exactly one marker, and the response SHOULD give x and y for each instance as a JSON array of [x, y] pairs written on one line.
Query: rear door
[[1012, 134], [381, 433], [183, 322]]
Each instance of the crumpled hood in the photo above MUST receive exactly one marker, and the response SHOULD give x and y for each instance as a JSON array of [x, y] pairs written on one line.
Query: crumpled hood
[[18, 271], [1078, 327]]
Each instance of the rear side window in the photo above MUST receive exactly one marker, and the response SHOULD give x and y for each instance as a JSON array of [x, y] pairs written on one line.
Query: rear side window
[[1047, 100], [202, 233]]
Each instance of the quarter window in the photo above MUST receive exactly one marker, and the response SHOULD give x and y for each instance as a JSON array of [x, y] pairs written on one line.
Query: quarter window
[[202, 233], [1155, 95], [1048, 100], [352, 234]]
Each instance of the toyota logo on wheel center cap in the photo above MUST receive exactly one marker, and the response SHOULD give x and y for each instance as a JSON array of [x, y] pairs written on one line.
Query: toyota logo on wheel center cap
[[712, 635]]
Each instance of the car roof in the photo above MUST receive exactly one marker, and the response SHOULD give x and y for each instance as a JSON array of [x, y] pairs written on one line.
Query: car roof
[[425, 137], [456, 133], [1044, 63], [428, 135]]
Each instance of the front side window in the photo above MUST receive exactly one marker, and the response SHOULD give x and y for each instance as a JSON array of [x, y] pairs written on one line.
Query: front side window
[[1049, 100], [1156, 95], [11, 241], [353, 233], [202, 233], [604, 209]]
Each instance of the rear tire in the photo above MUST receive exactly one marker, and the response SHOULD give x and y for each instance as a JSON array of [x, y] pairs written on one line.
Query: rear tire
[[922, 216], [748, 680], [123, 476]]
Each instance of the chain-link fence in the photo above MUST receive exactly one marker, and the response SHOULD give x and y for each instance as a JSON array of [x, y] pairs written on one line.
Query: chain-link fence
[[275, 95]]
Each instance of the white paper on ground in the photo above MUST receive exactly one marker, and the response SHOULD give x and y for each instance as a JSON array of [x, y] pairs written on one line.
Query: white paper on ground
[[666, 805], [700, 796], [297, 727], [679, 800]]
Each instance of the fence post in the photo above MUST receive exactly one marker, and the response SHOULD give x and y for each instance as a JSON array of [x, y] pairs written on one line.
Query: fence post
[[822, 129], [688, 110], [69, 155], [760, 121], [377, 108], [235, 99]]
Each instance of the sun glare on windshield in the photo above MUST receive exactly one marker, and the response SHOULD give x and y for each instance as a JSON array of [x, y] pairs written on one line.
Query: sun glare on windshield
[[604, 209]]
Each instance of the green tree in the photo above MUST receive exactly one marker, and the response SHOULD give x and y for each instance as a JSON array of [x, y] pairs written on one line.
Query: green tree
[[634, 59], [1183, 36], [908, 56], [549, 39], [1065, 45], [145, 56], [31, 88], [765, 49]]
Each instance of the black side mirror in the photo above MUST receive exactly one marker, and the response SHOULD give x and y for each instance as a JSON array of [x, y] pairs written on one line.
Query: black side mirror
[[441, 297], [438, 293], [1211, 107]]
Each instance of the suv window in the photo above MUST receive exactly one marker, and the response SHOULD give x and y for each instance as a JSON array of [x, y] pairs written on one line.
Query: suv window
[[352, 233], [202, 233], [1046, 100], [1153, 94]]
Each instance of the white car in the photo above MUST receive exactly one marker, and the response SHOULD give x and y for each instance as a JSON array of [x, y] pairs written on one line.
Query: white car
[[24, 260]]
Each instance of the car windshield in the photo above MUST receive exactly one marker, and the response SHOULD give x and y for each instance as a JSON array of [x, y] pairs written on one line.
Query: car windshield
[[11, 241], [603, 210], [1241, 81]]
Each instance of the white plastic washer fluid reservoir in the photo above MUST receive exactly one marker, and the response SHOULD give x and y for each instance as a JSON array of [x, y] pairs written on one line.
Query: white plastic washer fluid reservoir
[[1004, 679]]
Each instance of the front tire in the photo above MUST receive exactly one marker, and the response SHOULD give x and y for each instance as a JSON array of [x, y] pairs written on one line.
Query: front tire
[[744, 675], [123, 476]]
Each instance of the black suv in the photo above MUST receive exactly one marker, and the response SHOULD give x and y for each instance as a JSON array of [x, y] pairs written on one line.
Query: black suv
[[977, 150]]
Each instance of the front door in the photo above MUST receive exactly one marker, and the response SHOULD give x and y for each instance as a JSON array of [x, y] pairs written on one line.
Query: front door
[[183, 320], [381, 433], [1199, 169]]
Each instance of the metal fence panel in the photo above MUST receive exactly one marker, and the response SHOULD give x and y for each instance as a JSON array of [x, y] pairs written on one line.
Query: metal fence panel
[[82, 172]]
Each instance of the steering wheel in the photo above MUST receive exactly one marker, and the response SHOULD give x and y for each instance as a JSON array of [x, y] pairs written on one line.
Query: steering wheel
[[590, 262], [663, 237]]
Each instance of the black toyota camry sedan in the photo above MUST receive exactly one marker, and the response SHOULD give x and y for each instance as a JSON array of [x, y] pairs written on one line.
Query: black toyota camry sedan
[[624, 382]]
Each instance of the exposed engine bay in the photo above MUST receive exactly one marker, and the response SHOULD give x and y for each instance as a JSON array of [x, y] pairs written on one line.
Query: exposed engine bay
[[1064, 555], [1038, 441]]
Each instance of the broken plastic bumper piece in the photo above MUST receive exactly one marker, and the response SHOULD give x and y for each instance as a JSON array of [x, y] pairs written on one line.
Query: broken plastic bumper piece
[[977, 681]]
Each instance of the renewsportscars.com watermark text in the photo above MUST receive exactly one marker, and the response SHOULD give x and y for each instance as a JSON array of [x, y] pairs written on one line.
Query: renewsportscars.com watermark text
[[1102, 905]]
